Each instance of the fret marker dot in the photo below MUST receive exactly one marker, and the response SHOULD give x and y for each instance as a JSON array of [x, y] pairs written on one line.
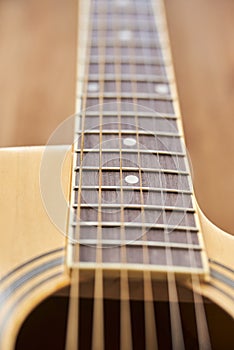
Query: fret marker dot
[[129, 142], [93, 87], [131, 179], [125, 35], [122, 3], [161, 89]]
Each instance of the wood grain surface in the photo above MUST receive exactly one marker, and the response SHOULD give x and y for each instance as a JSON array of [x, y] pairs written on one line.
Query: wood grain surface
[[37, 68], [37, 85]]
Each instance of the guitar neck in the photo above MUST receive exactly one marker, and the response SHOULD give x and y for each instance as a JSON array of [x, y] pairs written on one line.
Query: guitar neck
[[131, 186]]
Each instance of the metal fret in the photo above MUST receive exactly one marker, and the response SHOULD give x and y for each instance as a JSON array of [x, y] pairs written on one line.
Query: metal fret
[[142, 151], [131, 132], [141, 24], [157, 64], [114, 34], [148, 44], [138, 243], [118, 16], [123, 95], [146, 114], [131, 9], [155, 142], [129, 77], [136, 206], [128, 188], [158, 61], [136, 225], [146, 170]]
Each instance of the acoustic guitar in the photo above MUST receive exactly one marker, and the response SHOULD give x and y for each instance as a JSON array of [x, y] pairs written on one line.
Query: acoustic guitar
[[103, 245]]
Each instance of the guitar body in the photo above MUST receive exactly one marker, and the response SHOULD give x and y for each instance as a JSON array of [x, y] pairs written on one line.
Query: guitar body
[[102, 246], [33, 253], [29, 241]]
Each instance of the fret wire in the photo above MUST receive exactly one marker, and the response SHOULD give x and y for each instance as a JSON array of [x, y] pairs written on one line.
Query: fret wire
[[131, 26], [123, 95], [145, 114], [156, 61], [138, 243], [142, 24], [136, 206], [147, 170], [142, 151], [148, 44], [146, 225], [128, 77], [114, 26], [127, 131], [129, 188], [129, 11]]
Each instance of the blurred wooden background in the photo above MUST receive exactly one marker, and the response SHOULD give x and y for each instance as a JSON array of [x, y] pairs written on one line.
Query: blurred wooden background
[[37, 85]]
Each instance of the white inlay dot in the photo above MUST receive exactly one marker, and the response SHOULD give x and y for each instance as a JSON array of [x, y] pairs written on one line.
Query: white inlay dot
[[131, 179], [93, 87], [122, 3], [125, 35], [161, 89], [129, 142]]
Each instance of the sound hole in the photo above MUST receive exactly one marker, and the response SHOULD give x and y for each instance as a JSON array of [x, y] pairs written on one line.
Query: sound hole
[[45, 327]]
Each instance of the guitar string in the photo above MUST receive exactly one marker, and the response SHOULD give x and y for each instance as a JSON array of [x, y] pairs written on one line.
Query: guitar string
[[72, 336], [177, 336], [151, 341], [200, 316], [98, 311], [125, 317], [72, 339], [150, 323]]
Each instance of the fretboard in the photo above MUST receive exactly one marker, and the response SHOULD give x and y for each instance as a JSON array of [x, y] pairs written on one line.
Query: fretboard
[[132, 200]]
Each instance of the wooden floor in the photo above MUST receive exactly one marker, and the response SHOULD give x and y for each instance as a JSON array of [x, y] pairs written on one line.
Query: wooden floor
[[37, 85]]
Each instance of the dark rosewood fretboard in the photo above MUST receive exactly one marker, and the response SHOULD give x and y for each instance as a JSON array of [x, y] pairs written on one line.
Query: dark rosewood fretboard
[[131, 199]]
